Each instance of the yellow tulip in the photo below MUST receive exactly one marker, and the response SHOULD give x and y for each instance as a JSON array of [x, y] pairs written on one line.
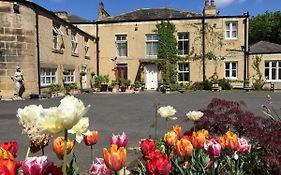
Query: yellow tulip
[[170, 138]]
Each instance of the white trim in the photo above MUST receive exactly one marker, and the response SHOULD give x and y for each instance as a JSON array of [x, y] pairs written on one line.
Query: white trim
[[230, 30], [183, 72], [45, 76], [152, 41], [123, 40], [231, 77], [182, 40]]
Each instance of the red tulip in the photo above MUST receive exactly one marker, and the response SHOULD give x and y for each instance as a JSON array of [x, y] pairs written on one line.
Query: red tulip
[[243, 147], [91, 139], [119, 140], [12, 147], [212, 147], [8, 166], [157, 163], [147, 145]]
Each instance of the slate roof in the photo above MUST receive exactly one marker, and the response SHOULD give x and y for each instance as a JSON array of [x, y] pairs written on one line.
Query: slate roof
[[151, 14], [77, 19], [265, 47]]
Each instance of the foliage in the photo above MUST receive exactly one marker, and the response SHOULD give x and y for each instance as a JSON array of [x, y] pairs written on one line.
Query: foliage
[[137, 84], [197, 86], [271, 112], [265, 27], [55, 87], [70, 86], [124, 82], [221, 116], [207, 85], [225, 84], [167, 51], [101, 79], [257, 82]]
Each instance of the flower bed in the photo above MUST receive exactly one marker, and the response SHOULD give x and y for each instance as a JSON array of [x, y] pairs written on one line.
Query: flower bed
[[224, 140]]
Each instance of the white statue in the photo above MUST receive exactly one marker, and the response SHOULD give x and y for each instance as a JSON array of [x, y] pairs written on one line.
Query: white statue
[[19, 89]]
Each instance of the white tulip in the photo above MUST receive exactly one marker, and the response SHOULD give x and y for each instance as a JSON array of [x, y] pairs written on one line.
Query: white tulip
[[167, 112], [29, 114], [81, 129], [194, 115]]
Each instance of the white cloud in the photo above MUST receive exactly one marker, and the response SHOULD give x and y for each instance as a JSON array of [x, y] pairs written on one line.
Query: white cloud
[[224, 3]]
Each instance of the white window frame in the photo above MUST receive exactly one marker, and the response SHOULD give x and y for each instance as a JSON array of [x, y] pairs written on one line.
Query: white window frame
[[231, 69], [183, 72], [69, 77], [122, 44], [183, 41], [74, 43], [47, 73], [86, 46], [56, 33], [270, 71], [231, 30], [151, 44]]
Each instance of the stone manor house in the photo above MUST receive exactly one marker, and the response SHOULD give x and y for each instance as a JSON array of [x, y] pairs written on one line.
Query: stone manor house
[[58, 48]]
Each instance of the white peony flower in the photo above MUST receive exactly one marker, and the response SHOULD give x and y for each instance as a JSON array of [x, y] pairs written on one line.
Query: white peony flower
[[71, 110], [81, 129], [167, 112], [29, 114], [194, 115]]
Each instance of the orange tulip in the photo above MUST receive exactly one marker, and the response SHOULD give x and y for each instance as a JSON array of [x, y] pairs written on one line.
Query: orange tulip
[[115, 158], [183, 148], [58, 145], [231, 140], [170, 138], [4, 154], [198, 138], [91, 139], [177, 129]]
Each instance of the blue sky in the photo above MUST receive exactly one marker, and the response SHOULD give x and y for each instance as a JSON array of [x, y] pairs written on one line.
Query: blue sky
[[88, 8]]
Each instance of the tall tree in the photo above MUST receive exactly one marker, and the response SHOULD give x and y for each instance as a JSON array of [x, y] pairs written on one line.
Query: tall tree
[[266, 27], [167, 51]]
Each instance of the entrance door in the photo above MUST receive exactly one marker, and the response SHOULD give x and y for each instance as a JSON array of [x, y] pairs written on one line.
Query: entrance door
[[151, 77]]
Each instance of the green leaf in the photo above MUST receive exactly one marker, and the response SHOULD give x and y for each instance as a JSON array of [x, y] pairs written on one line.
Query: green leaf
[[73, 167]]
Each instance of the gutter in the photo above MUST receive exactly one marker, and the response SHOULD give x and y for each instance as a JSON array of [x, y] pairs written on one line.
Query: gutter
[[38, 51], [97, 49], [203, 45], [246, 51]]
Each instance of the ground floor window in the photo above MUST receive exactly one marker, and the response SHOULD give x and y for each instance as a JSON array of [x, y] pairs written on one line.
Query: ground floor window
[[230, 70], [183, 72], [121, 71], [272, 70], [47, 76], [69, 76]]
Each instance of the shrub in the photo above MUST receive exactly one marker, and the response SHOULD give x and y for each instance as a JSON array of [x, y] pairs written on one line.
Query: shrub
[[221, 116], [207, 85], [55, 87], [225, 84], [197, 86], [70, 86]]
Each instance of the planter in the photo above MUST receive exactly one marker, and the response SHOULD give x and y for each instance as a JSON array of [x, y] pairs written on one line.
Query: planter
[[103, 87], [123, 88], [34, 96], [110, 88], [181, 90]]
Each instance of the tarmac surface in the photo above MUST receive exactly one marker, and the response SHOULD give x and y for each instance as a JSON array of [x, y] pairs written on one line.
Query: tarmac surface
[[132, 113]]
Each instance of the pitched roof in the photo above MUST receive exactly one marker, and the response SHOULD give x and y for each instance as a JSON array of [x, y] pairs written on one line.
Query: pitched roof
[[265, 47], [152, 14], [76, 19]]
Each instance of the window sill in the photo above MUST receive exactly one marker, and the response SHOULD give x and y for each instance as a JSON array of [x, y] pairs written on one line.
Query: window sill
[[122, 57], [75, 54], [60, 51], [228, 78], [231, 39]]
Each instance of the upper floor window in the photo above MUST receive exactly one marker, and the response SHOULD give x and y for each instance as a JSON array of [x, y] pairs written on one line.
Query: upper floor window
[[183, 72], [272, 70], [231, 30], [86, 46], [121, 44], [183, 43], [69, 77], [47, 76], [57, 32], [230, 70], [151, 44], [74, 43]]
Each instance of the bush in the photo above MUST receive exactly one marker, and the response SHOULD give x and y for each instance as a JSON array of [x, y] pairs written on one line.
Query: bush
[[225, 84], [70, 86], [55, 87], [207, 85], [197, 86], [174, 87]]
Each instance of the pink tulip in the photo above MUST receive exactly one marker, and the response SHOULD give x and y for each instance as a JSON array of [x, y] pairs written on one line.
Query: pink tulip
[[243, 147], [212, 147], [119, 140], [99, 168], [36, 165]]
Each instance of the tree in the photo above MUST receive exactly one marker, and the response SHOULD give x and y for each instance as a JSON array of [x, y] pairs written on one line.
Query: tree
[[266, 27], [167, 51]]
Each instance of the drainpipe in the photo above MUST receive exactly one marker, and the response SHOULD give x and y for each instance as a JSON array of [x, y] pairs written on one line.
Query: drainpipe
[[246, 51], [97, 49], [203, 45], [38, 51]]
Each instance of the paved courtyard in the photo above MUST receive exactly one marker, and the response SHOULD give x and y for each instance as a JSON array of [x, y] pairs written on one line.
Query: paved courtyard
[[131, 113]]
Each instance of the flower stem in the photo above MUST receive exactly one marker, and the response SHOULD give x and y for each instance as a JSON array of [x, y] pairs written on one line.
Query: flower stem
[[91, 153], [27, 152], [64, 153], [43, 152]]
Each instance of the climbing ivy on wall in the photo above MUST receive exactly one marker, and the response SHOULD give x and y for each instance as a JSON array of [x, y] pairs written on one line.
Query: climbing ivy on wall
[[167, 51]]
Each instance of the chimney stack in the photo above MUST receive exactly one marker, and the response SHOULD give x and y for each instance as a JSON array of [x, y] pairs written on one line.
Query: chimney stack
[[63, 15], [210, 8], [102, 14]]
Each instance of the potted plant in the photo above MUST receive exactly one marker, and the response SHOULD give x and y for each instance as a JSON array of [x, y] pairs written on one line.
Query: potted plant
[[137, 85], [56, 90], [124, 83], [98, 81], [181, 88], [104, 83]]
